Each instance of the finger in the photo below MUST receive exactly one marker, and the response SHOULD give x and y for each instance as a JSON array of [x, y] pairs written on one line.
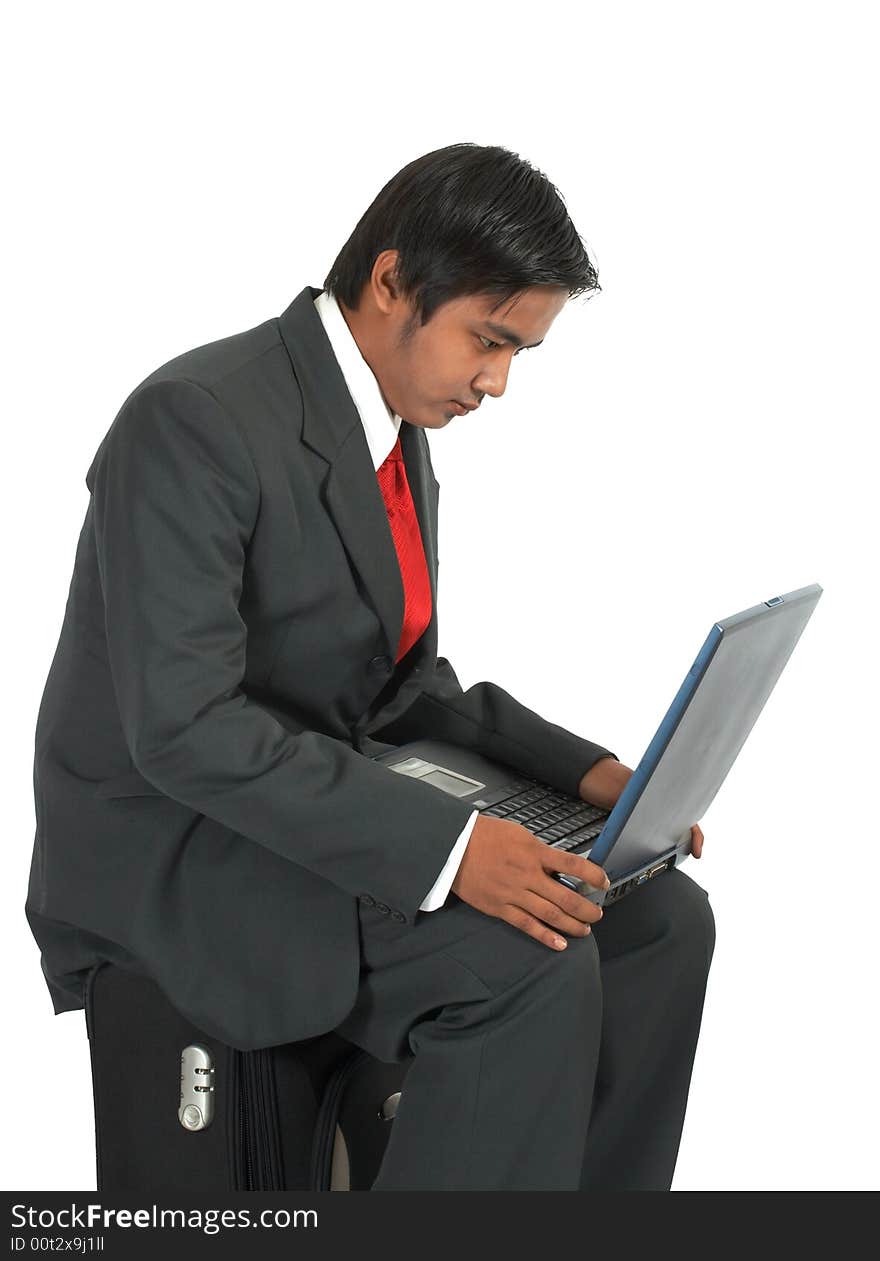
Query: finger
[[696, 840], [574, 865], [550, 913], [532, 927], [571, 903]]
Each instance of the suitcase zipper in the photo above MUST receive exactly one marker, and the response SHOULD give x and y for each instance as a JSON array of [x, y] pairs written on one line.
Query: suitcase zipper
[[243, 1140], [269, 1139], [259, 1141]]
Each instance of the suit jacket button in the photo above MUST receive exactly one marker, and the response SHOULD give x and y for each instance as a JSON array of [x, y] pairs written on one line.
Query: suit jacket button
[[366, 899], [396, 915], [379, 665], [380, 906]]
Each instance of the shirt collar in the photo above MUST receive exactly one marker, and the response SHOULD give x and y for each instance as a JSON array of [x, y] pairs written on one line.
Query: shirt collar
[[381, 425]]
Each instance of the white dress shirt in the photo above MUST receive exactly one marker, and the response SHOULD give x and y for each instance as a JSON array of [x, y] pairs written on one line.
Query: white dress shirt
[[381, 427]]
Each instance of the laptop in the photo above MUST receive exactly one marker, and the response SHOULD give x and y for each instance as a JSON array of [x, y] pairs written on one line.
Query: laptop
[[648, 831]]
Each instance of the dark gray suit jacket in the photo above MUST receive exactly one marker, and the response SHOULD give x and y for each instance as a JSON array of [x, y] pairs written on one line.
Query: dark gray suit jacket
[[205, 812]]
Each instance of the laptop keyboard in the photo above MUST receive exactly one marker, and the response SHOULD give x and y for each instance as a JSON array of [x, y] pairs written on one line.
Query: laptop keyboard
[[562, 821]]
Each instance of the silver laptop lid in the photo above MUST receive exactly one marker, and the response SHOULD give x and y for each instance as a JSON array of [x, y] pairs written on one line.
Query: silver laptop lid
[[703, 731]]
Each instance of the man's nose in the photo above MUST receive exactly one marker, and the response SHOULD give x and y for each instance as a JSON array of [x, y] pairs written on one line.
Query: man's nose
[[493, 381]]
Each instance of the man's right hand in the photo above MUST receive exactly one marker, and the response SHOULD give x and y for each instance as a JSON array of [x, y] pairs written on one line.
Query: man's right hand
[[507, 872]]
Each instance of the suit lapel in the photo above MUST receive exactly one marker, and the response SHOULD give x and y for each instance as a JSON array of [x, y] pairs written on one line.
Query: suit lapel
[[332, 428]]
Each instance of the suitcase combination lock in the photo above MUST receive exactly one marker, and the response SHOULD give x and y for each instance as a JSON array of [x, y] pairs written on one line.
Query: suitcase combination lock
[[196, 1110]]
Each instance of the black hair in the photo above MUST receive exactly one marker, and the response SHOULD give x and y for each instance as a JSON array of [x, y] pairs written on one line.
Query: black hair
[[465, 219]]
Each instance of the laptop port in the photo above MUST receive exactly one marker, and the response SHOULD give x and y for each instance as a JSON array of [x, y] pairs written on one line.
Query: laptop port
[[617, 892], [656, 870]]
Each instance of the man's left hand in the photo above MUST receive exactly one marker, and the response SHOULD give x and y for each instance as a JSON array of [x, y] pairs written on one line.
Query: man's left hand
[[605, 781]]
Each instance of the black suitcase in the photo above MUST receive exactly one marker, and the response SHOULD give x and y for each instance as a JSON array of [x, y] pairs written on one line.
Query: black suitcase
[[176, 1110]]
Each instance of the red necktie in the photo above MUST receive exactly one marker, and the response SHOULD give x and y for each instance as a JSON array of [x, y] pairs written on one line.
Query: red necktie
[[410, 551]]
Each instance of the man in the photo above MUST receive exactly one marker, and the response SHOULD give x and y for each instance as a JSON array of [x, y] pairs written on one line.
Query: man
[[252, 610]]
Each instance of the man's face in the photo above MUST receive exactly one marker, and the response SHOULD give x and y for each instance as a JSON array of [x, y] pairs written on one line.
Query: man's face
[[461, 354]]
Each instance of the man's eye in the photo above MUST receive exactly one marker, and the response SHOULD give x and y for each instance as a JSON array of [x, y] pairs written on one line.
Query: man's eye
[[496, 345]]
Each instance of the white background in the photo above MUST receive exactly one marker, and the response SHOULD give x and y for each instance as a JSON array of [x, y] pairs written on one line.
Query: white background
[[694, 439]]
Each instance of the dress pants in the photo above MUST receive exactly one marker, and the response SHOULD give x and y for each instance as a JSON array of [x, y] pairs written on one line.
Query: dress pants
[[537, 1069]]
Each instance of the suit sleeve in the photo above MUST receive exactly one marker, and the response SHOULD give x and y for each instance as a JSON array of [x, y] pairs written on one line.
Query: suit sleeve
[[176, 499], [490, 721]]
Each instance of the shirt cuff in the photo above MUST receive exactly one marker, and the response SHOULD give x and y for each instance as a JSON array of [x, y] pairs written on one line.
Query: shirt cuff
[[439, 891]]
